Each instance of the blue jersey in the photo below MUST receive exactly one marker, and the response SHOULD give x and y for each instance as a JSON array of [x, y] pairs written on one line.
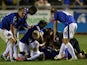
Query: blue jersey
[[13, 19], [49, 52], [64, 17], [21, 23], [66, 1], [28, 36], [8, 20]]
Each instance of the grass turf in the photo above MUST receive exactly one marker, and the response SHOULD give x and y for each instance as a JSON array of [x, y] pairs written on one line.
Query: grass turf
[[83, 44]]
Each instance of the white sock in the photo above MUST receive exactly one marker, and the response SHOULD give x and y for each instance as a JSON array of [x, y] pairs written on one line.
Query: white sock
[[27, 50], [21, 56], [6, 50], [16, 51], [71, 50], [62, 48], [34, 57], [11, 50]]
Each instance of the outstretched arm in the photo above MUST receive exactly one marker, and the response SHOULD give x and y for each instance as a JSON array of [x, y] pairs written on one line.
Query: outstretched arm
[[13, 39], [55, 30]]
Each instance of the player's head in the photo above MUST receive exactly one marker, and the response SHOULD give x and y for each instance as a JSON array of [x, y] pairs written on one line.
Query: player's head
[[36, 34], [42, 24], [21, 12], [32, 10], [53, 10]]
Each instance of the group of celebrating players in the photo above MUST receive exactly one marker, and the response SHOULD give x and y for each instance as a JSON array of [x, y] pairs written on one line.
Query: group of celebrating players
[[39, 43]]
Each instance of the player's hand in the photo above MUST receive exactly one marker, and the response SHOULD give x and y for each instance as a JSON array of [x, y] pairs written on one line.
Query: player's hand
[[29, 27], [13, 40]]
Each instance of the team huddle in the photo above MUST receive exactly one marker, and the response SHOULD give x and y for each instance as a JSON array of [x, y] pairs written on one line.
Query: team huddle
[[39, 43]]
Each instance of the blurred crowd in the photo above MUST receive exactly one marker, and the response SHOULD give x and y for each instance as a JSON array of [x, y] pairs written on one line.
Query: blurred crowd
[[44, 3]]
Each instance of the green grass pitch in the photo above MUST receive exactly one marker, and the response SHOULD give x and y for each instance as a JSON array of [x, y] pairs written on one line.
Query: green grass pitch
[[83, 44]]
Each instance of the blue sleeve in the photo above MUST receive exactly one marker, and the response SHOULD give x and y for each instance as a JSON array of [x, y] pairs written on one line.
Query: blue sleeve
[[24, 22], [81, 0], [25, 25]]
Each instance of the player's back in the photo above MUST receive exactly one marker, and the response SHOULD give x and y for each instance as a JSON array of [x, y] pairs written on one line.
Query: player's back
[[7, 20], [64, 17], [28, 34]]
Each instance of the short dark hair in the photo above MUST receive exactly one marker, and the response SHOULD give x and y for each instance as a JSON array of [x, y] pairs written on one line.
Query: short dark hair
[[33, 9], [43, 22], [22, 8], [53, 10]]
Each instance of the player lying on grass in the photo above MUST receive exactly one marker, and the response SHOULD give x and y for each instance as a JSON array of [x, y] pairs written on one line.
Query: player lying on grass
[[51, 49], [9, 25], [74, 42]]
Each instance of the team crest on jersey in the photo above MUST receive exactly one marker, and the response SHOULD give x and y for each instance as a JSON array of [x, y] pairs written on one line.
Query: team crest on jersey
[[15, 20]]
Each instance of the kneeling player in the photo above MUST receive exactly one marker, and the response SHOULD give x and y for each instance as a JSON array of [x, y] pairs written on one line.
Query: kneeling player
[[34, 47], [27, 38]]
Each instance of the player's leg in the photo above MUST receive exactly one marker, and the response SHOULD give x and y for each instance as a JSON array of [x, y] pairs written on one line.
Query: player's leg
[[35, 55], [15, 49], [70, 33], [2, 36], [22, 49], [11, 48], [71, 50], [6, 35], [11, 51], [66, 43], [5, 53], [11, 42], [75, 45], [62, 49], [27, 51]]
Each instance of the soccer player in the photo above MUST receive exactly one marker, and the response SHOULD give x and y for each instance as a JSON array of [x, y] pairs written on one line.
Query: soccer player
[[34, 47], [68, 33], [10, 24], [27, 38]]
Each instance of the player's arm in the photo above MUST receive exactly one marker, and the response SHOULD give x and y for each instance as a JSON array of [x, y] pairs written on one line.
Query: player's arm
[[55, 30], [54, 21], [12, 29], [13, 40], [80, 3], [29, 27], [26, 26], [42, 39], [43, 43]]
